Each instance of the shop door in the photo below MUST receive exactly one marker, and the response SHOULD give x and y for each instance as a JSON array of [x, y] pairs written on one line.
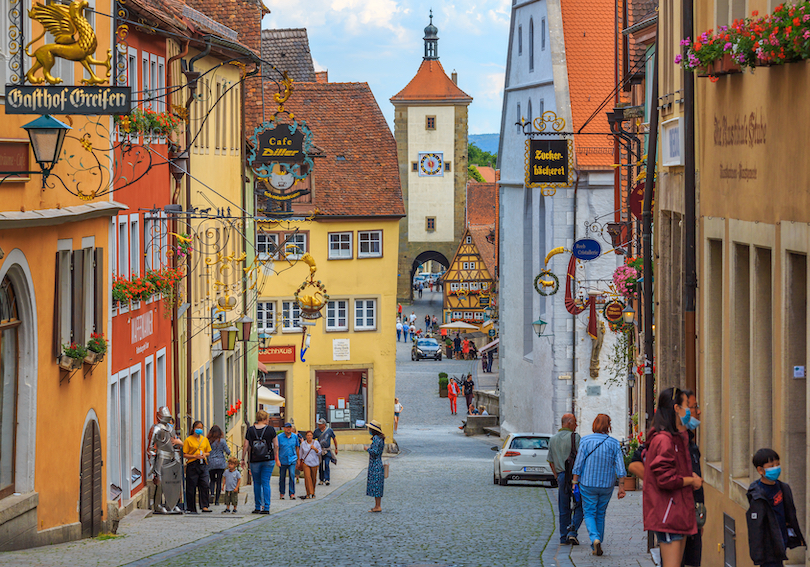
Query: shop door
[[90, 483], [276, 382]]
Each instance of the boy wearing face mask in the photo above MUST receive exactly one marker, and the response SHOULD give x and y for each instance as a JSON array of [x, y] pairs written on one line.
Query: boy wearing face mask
[[773, 527]]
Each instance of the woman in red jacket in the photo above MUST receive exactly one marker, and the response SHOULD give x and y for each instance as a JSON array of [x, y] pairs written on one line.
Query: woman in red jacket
[[669, 506]]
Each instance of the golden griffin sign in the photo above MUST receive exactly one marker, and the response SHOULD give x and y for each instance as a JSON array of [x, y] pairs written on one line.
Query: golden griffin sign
[[75, 41]]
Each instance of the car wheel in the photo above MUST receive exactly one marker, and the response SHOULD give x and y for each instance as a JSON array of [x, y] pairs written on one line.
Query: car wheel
[[502, 481], [494, 479], [412, 357], [440, 358]]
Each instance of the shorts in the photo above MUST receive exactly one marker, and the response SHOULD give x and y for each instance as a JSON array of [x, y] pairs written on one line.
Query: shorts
[[664, 537], [231, 498], [396, 414]]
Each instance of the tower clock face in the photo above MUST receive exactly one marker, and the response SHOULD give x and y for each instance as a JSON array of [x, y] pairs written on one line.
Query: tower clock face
[[430, 164]]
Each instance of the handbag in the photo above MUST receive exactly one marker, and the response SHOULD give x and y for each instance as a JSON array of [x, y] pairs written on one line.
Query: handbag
[[700, 514], [385, 470], [300, 464]]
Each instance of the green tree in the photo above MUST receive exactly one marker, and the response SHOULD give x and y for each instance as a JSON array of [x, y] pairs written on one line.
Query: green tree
[[475, 174], [477, 156]]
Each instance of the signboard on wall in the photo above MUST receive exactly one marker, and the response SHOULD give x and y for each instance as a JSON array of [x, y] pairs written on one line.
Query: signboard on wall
[[548, 163], [340, 349], [50, 99], [14, 157], [277, 354]]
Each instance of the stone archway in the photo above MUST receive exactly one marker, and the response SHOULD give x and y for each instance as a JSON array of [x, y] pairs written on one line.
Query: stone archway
[[420, 259]]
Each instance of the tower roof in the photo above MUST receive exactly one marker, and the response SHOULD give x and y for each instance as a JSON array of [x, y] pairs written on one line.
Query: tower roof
[[430, 84]]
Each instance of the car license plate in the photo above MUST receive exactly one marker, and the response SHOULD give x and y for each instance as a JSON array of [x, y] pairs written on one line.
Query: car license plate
[[533, 469]]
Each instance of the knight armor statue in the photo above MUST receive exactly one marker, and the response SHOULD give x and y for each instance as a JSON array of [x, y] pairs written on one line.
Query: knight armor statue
[[165, 467]]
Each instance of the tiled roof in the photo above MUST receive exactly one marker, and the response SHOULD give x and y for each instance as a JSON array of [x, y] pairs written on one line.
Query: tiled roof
[[288, 50], [431, 83], [359, 174], [488, 173], [481, 201], [639, 11], [242, 16], [589, 42], [485, 248]]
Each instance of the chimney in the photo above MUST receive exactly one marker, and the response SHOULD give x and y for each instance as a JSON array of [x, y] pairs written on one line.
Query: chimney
[[322, 76], [454, 76]]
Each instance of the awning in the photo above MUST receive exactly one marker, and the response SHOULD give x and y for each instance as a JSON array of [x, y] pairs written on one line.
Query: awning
[[490, 346], [269, 398], [262, 367], [460, 325], [52, 217]]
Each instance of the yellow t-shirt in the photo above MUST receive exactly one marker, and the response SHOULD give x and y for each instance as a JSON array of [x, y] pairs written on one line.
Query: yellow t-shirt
[[192, 446]]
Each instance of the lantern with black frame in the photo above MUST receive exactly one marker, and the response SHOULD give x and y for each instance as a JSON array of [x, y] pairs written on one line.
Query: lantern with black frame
[[46, 134]]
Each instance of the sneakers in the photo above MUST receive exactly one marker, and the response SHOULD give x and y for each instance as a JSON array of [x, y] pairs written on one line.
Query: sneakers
[[572, 540], [226, 511], [268, 511], [597, 547]]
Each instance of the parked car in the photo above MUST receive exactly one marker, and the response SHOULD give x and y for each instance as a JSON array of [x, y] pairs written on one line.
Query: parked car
[[523, 457], [426, 348]]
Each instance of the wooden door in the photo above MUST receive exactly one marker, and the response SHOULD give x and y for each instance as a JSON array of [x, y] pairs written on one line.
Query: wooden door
[[276, 382], [90, 511]]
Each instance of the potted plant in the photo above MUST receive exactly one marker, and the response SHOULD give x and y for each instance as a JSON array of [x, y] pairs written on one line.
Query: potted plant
[[630, 481], [72, 356], [96, 348], [443, 381]]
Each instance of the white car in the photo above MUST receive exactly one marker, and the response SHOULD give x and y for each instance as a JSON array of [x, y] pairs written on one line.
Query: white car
[[523, 457]]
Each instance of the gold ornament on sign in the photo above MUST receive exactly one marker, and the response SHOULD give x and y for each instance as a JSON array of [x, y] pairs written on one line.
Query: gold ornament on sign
[[65, 23], [283, 96], [311, 304]]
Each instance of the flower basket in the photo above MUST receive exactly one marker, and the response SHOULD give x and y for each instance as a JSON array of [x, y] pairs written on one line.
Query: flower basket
[[725, 66], [93, 357], [68, 363], [630, 483]]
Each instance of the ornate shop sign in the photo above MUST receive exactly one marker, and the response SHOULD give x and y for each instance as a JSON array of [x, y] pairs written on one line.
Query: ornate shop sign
[[587, 249], [280, 144], [613, 311], [549, 162], [23, 99], [637, 199]]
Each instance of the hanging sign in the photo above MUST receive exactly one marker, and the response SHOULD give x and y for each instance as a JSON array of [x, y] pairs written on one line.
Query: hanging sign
[[282, 143], [587, 249], [87, 100], [282, 149], [637, 199], [613, 311], [548, 163], [277, 354]]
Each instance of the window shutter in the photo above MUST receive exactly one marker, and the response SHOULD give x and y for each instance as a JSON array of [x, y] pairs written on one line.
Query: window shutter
[[77, 297], [98, 290], [57, 347]]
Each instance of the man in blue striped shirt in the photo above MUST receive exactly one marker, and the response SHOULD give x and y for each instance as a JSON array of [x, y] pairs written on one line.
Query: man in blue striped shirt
[[599, 463]]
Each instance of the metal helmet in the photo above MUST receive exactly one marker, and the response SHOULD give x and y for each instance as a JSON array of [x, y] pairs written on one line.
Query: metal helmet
[[164, 415]]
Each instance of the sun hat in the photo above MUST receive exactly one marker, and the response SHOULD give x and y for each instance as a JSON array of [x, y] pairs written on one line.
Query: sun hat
[[375, 425]]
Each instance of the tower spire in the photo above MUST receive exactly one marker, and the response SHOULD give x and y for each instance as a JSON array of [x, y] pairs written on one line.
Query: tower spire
[[431, 41]]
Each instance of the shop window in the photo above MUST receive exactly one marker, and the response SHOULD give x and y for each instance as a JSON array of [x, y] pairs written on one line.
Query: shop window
[[342, 398], [266, 245], [337, 315], [290, 317], [266, 316], [365, 314], [340, 245], [9, 360], [430, 122], [370, 244], [296, 245]]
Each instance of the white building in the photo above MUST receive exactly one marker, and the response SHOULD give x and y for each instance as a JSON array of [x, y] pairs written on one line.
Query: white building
[[548, 70]]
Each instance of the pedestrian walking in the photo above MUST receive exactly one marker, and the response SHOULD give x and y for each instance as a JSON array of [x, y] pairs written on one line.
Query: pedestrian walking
[[231, 479], [288, 443], [375, 481], [399, 329], [669, 481], [457, 347], [773, 526], [399, 310], [405, 330], [216, 461], [490, 356], [435, 322], [421, 287], [465, 349], [562, 453], [469, 389], [196, 449], [452, 395], [599, 462], [309, 454], [261, 447], [473, 350], [427, 323], [431, 285], [397, 410], [413, 332], [412, 318], [326, 437]]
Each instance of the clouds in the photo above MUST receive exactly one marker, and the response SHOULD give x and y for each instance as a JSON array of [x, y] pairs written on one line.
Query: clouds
[[380, 42]]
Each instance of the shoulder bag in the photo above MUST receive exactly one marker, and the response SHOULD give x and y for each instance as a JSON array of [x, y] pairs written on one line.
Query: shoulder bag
[[569, 462], [300, 465]]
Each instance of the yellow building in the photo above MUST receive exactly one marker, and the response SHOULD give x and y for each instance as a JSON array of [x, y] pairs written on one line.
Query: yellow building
[[54, 290], [469, 287], [349, 225]]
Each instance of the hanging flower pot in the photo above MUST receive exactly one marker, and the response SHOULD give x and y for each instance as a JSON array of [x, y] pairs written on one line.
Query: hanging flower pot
[[93, 357], [68, 363]]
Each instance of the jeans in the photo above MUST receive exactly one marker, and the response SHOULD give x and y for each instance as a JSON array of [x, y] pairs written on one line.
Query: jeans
[[323, 468], [406, 335], [567, 527], [399, 334], [594, 506], [283, 472], [215, 478], [261, 471]]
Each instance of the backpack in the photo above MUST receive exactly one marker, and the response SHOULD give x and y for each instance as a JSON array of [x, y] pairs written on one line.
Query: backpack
[[259, 448], [569, 463]]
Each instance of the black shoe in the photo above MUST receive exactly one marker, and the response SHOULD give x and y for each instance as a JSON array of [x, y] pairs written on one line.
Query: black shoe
[[327, 483], [256, 512], [573, 540], [226, 511], [191, 512], [264, 512]]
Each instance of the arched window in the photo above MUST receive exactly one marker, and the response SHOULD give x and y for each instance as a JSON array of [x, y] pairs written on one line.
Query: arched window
[[519, 117], [529, 115], [9, 324], [531, 44]]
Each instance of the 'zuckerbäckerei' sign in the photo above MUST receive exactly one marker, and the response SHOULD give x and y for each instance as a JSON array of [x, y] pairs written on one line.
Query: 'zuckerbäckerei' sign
[[548, 162], [26, 99]]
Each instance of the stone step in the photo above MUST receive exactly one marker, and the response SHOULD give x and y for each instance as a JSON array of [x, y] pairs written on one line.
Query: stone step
[[494, 430]]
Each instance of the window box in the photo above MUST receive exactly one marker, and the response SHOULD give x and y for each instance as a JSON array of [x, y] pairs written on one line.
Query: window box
[[93, 357], [68, 363]]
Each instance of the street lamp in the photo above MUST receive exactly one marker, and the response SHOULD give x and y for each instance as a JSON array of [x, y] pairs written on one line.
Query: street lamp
[[264, 340], [539, 326], [629, 314], [488, 312], [228, 337], [244, 323], [47, 135]]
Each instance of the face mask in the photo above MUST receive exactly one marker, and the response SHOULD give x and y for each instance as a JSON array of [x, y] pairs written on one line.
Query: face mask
[[198, 431], [773, 473], [686, 417], [693, 423]]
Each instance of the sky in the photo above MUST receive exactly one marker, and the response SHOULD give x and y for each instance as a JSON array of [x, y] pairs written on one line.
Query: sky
[[380, 42]]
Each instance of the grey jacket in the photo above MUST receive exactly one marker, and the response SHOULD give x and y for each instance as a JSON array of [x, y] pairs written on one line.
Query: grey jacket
[[217, 460]]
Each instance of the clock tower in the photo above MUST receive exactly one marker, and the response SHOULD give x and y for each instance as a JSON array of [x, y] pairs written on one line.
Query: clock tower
[[430, 128]]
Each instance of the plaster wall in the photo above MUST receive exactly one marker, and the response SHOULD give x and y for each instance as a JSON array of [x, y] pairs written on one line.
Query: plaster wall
[[431, 196]]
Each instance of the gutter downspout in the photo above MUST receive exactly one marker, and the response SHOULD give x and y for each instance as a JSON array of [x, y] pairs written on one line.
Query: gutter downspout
[[689, 211], [574, 332]]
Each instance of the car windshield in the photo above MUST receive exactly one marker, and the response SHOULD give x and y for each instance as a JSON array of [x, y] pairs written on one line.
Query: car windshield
[[529, 443], [427, 342]]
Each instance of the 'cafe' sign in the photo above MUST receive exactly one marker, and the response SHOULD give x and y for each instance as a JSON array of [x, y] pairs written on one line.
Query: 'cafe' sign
[[280, 145]]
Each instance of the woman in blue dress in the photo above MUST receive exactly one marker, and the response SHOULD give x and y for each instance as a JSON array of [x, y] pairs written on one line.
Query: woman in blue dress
[[376, 472]]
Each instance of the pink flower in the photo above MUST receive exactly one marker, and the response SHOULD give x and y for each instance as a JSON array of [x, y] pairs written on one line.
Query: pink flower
[[727, 46], [679, 58], [806, 34]]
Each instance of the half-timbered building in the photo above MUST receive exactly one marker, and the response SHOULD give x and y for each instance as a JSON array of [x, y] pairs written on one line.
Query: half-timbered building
[[468, 284]]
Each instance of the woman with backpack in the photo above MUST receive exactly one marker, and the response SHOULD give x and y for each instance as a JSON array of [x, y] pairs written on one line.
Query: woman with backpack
[[261, 448], [599, 462]]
